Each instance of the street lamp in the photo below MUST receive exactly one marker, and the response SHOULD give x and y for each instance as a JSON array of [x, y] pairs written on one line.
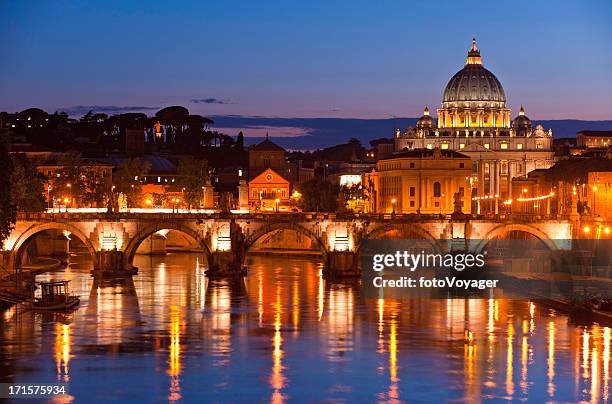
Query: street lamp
[[393, 205], [49, 196], [69, 185], [277, 202]]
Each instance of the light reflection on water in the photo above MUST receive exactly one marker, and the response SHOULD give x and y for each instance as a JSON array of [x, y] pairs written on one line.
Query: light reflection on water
[[282, 333]]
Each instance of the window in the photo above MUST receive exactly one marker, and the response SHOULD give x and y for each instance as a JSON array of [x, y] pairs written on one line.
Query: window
[[429, 146], [437, 204], [437, 189], [412, 204], [461, 165], [461, 145], [539, 145], [412, 191], [411, 165], [504, 146], [519, 146], [504, 167], [486, 146], [445, 146]]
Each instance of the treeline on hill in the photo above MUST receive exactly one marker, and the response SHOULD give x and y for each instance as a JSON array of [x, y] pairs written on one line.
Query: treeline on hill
[[350, 151], [171, 130]]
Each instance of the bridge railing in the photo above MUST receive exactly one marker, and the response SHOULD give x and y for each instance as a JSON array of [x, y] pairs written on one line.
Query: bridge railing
[[285, 216]]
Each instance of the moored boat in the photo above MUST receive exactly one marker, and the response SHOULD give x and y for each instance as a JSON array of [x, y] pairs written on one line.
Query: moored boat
[[55, 296]]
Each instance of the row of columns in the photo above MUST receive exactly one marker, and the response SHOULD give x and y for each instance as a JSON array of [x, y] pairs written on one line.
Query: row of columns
[[456, 115], [494, 176]]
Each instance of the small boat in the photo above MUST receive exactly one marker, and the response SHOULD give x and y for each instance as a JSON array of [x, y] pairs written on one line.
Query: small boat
[[55, 296]]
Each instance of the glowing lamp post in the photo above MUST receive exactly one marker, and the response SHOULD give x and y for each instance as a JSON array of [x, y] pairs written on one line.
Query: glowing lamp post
[[393, 201], [69, 185]]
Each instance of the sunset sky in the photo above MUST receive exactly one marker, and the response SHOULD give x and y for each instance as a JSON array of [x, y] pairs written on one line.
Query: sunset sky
[[312, 59]]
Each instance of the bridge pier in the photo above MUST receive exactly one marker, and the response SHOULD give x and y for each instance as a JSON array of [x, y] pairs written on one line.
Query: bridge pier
[[225, 264], [112, 263], [341, 264]]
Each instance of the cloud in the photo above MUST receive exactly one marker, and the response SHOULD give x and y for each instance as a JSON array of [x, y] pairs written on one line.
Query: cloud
[[109, 109], [211, 101]]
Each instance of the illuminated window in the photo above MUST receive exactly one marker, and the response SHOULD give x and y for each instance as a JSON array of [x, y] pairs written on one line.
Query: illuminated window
[[504, 146], [539, 145], [429, 146], [519, 146], [444, 146], [486, 145], [461, 145]]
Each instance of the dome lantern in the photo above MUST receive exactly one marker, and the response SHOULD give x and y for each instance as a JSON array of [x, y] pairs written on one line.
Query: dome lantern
[[473, 57]]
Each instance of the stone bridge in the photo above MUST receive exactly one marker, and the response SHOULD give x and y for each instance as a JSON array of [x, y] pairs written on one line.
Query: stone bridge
[[113, 239]]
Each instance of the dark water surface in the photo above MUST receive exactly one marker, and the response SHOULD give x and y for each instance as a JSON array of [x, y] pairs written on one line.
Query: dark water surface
[[284, 333]]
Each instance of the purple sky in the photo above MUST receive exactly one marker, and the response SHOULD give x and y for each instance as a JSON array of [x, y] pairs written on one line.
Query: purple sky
[[307, 59]]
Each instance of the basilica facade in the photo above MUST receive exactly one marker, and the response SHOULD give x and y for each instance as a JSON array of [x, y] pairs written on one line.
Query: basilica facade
[[475, 121]]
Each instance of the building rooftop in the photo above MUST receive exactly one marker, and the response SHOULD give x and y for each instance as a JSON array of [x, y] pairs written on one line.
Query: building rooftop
[[428, 153], [266, 145], [596, 133]]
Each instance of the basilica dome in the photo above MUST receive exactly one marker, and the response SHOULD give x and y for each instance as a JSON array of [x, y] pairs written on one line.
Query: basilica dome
[[474, 82]]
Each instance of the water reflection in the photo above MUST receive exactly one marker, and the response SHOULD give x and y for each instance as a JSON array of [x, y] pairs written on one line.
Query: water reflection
[[178, 336]]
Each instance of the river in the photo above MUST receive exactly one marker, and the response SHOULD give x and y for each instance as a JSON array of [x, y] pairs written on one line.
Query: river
[[284, 333]]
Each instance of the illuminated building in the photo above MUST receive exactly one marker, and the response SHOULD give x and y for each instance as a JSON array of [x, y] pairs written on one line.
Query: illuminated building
[[269, 191], [474, 120], [594, 139], [421, 181]]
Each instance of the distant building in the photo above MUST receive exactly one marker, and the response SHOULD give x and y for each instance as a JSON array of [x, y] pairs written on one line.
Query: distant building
[[474, 120], [577, 185], [134, 142], [421, 181], [300, 171], [266, 155], [269, 191], [594, 139]]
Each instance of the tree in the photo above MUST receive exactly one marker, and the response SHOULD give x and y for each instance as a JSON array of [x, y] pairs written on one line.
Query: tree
[[128, 180], [70, 183], [95, 188], [192, 176], [318, 195], [26, 187], [240, 142], [8, 211]]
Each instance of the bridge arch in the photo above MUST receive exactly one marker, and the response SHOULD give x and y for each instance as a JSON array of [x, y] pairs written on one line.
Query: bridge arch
[[250, 239], [142, 234], [17, 250], [410, 231], [506, 228]]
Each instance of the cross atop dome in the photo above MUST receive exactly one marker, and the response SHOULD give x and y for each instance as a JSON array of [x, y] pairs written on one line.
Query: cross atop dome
[[522, 111], [473, 56], [426, 111]]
